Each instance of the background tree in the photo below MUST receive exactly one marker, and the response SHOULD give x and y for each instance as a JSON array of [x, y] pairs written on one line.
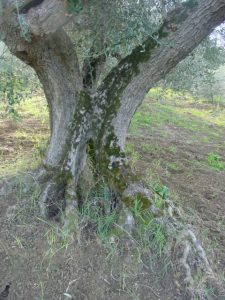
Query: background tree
[[16, 81], [91, 104], [197, 72]]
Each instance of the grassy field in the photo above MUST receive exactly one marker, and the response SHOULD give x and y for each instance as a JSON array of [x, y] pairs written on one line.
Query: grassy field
[[23, 138], [177, 144]]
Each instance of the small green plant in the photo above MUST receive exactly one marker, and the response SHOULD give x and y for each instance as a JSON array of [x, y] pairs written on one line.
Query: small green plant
[[159, 237], [18, 242], [214, 161], [162, 190], [95, 213], [42, 288], [172, 149], [57, 239], [104, 226], [40, 147], [173, 166], [150, 233], [129, 149]]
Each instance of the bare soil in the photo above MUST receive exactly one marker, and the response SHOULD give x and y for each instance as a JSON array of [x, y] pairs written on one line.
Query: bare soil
[[198, 188]]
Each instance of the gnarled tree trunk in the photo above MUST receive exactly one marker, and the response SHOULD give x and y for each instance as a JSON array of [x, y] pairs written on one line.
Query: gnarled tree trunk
[[86, 122]]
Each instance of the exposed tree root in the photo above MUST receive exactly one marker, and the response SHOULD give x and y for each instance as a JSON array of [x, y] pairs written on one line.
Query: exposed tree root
[[52, 197], [189, 257], [192, 244]]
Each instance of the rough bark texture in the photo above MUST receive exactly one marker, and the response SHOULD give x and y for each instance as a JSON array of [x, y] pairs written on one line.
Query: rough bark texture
[[96, 122]]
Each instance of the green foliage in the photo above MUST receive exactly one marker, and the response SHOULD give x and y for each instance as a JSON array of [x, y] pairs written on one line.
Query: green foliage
[[16, 82], [94, 214], [196, 73], [114, 28], [214, 161], [150, 233], [97, 210], [11, 88], [162, 190], [28, 138]]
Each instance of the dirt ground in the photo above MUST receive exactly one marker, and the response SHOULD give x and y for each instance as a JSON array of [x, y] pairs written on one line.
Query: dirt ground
[[41, 263]]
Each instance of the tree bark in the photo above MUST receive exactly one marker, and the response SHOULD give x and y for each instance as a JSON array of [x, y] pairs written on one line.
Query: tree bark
[[95, 123]]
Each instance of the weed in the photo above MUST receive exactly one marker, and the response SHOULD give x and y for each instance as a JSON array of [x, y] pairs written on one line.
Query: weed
[[42, 294], [172, 149], [40, 148], [57, 240], [205, 139], [150, 233], [104, 226], [18, 242], [214, 161], [94, 214], [173, 166], [161, 190], [132, 153]]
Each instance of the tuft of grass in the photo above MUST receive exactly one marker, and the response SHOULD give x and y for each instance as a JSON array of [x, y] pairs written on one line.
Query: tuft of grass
[[132, 153], [173, 166], [57, 240], [94, 214], [214, 161], [150, 232], [172, 149]]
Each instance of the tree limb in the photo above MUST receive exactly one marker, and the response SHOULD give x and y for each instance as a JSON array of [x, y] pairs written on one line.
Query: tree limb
[[138, 72], [42, 17]]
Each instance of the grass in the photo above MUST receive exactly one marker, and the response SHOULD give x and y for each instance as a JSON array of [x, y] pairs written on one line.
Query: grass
[[24, 142], [172, 149], [150, 233], [214, 161], [57, 240], [162, 109], [132, 153]]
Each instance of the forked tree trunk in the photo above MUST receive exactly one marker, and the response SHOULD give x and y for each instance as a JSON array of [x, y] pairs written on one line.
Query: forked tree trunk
[[95, 123], [81, 123]]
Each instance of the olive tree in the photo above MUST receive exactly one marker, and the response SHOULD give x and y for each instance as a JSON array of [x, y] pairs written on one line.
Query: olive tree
[[89, 112]]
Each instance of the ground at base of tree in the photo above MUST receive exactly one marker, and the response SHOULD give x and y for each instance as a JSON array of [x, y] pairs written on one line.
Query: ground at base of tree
[[173, 143]]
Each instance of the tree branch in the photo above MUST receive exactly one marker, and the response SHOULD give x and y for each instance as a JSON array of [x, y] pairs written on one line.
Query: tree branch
[[42, 17], [47, 17], [128, 83]]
